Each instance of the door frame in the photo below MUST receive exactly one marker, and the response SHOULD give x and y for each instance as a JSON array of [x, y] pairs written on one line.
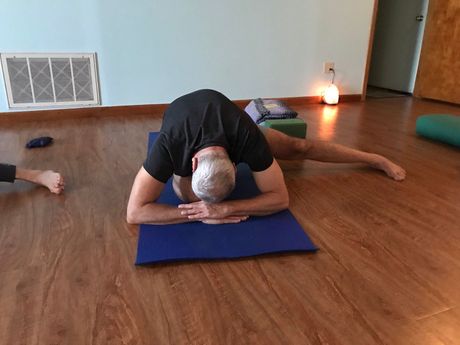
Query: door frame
[[371, 43], [369, 50]]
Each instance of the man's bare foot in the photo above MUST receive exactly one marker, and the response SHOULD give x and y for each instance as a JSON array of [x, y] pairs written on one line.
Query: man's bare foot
[[52, 180], [392, 170]]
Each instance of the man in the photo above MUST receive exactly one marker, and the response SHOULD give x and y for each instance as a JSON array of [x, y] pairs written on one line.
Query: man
[[202, 137], [47, 178]]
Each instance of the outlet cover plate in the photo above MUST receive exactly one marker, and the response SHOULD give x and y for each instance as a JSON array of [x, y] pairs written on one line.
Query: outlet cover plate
[[327, 66]]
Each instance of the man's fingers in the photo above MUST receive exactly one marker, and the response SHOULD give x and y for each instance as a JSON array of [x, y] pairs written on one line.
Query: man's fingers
[[237, 217], [197, 216], [190, 209], [220, 221], [227, 220], [188, 212]]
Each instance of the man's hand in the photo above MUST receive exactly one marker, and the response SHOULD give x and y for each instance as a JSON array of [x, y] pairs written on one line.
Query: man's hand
[[227, 220], [209, 213], [200, 210]]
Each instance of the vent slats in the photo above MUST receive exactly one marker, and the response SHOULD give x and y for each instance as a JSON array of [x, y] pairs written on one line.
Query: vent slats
[[82, 77], [20, 80], [62, 76], [40, 80]]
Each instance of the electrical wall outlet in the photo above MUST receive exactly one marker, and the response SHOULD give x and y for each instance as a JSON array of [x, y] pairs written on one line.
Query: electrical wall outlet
[[327, 66]]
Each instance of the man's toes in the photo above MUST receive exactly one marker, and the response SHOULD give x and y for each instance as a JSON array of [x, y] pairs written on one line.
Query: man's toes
[[401, 175]]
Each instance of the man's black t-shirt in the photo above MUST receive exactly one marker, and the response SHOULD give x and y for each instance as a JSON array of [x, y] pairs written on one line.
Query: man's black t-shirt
[[201, 119]]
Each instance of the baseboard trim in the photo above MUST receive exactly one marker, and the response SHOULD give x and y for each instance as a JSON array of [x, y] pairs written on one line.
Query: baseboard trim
[[294, 101], [155, 110], [101, 111]]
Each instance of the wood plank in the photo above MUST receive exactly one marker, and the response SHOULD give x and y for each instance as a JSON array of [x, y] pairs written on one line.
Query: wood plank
[[387, 271], [444, 326]]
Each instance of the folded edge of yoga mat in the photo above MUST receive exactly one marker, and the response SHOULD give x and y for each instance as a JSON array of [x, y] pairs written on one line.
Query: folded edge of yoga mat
[[276, 233]]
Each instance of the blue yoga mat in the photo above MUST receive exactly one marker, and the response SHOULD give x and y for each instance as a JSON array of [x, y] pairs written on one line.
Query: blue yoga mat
[[276, 233]]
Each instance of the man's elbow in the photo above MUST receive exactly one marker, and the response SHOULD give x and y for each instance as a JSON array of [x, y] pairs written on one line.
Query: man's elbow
[[131, 220], [132, 216], [285, 202]]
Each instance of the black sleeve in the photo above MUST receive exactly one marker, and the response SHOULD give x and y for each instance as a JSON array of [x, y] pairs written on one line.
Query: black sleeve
[[7, 173], [257, 153], [158, 163]]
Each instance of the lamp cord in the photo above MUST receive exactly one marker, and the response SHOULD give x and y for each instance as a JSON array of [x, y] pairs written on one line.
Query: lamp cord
[[333, 75]]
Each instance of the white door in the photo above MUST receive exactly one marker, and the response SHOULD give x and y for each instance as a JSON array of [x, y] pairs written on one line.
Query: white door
[[397, 44]]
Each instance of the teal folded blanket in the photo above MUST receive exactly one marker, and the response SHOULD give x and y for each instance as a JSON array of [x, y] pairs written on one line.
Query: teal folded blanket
[[445, 128]]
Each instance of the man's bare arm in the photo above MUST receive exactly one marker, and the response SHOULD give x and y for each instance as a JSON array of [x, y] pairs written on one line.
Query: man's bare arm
[[274, 198], [142, 206]]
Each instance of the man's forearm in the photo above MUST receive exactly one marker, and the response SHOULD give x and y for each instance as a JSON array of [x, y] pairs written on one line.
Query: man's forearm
[[274, 196], [153, 213], [234, 211], [261, 205]]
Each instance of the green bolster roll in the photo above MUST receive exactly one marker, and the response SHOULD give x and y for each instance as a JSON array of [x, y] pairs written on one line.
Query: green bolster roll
[[442, 127]]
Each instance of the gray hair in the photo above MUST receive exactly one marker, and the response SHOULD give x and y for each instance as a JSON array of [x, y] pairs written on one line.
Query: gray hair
[[214, 177]]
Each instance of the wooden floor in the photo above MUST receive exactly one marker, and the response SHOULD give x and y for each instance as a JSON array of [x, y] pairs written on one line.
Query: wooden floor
[[388, 271]]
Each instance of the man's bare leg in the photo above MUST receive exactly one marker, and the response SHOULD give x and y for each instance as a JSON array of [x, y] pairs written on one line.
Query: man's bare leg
[[290, 148], [47, 178], [183, 188]]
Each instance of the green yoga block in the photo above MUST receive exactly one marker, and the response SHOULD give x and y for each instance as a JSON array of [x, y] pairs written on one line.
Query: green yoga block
[[442, 127], [293, 127]]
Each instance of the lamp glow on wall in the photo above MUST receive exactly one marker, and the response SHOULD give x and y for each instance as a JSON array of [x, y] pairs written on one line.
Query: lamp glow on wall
[[330, 95]]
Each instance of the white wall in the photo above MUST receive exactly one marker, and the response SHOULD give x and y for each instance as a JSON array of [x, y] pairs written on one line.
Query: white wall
[[152, 51]]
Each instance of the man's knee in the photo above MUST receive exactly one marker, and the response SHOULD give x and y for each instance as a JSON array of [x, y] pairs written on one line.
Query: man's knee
[[286, 147], [301, 146]]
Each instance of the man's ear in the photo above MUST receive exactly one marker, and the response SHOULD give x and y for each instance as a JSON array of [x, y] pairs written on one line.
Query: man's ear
[[194, 164]]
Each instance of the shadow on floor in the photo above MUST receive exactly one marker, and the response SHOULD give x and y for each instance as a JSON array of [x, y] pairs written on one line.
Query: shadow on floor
[[378, 92]]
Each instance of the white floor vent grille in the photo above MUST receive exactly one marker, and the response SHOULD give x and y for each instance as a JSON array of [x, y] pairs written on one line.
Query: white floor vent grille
[[49, 80]]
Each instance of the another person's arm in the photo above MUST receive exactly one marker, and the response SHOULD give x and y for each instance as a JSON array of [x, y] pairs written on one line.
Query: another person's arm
[[274, 198], [47, 178]]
